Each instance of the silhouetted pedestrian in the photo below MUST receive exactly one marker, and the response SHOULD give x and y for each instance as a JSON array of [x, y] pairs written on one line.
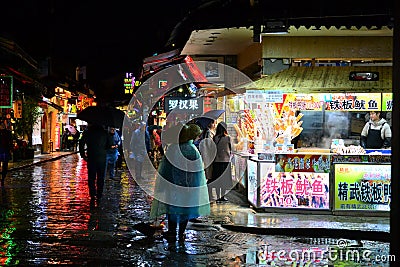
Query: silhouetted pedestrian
[[66, 139], [6, 145], [140, 148], [120, 157], [76, 137], [93, 148]]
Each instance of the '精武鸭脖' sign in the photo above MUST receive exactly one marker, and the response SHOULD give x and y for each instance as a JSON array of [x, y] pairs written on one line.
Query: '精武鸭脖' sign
[[182, 104]]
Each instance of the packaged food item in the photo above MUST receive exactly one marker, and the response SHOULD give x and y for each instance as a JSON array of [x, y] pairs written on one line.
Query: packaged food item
[[279, 148], [290, 148]]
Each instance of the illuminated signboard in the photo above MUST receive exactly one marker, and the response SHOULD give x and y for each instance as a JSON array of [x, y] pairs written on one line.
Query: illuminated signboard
[[303, 162], [294, 190], [182, 104], [18, 109], [264, 96], [362, 187], [129, 83], [319, 101], [387, 101], [162, 84], [354, 102], [334, 101], [6, 91], [240, 169], [252, 184]]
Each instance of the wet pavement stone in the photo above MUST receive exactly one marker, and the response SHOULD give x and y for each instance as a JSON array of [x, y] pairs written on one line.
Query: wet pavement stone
[[46, 219]]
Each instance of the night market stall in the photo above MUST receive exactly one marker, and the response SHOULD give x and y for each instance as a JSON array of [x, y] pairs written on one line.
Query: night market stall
[[302, 143]]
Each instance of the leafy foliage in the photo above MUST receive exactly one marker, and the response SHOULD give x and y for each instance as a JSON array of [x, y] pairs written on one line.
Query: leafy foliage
[[30, 114]]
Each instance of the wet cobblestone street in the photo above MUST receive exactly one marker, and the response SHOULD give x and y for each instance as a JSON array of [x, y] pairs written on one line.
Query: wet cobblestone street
[[46, 219]]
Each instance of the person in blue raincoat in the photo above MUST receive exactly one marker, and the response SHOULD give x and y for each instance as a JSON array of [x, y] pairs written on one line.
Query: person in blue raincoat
[[181, 186], [112, 153], [140, 148]]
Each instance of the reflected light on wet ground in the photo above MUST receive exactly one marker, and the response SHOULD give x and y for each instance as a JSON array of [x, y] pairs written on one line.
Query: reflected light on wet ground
[[46, 219]]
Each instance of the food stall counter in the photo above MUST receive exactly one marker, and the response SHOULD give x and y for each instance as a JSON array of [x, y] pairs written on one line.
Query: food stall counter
[[291, 181], [239, 170]]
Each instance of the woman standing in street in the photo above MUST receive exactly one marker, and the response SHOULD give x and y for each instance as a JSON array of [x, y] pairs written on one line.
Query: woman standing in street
[[222, 176], [207, 151], [181, 190], [6, 144]]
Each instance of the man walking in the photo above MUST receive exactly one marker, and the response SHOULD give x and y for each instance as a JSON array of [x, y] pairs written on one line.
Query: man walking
[[93, 148], [6, 144]]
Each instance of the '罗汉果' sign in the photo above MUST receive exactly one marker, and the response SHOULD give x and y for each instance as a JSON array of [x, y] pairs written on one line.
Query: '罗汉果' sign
[[182, 104]]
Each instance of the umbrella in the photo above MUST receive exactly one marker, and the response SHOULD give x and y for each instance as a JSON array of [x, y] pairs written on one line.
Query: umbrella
[[70, 128], [106, 116], [208, 117]]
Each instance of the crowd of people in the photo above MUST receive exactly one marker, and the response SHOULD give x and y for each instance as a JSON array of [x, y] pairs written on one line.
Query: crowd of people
[[70, 139], [202, 164]]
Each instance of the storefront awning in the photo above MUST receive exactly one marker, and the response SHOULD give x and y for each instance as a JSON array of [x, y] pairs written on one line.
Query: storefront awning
[[324, 79], [44, 101]]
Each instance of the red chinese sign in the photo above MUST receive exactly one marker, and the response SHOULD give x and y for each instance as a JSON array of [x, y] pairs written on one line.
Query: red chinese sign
[[6, 90]]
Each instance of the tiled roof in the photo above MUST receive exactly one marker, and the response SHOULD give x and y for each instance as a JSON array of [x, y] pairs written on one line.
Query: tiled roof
[[324, 79]]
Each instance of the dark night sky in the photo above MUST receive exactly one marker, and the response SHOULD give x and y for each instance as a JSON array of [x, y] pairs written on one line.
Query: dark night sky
[[113, 37], [110, 38]]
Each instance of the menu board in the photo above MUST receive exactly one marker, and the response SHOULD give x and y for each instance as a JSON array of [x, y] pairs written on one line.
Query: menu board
[[293, 190], [362, 187]]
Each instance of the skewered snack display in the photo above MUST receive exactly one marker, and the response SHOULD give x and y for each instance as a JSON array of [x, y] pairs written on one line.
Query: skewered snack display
[[265, 118], [288, 125], [245, 126]]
